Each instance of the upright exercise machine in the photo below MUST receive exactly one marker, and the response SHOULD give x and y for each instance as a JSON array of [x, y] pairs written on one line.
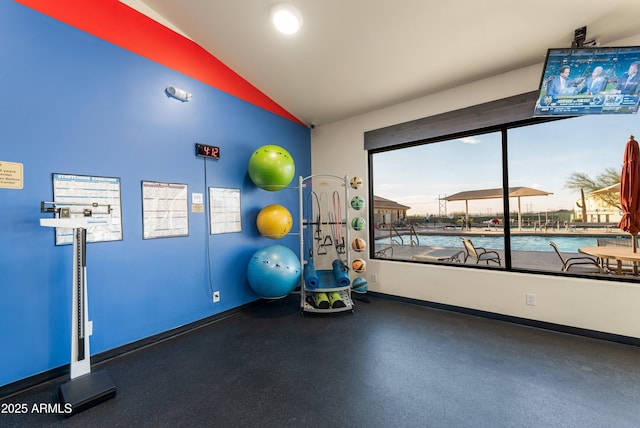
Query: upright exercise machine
[[85, 388]]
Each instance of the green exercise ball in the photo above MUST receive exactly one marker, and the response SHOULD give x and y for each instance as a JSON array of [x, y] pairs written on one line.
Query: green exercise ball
[[271, 168]]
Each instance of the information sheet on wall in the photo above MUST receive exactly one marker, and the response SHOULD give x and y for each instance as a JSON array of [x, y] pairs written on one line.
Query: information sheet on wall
[[11, 175], [101, 195], [224, 210], [165, 210]]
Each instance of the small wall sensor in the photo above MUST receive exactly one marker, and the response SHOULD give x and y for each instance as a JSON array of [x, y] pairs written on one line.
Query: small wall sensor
[[178, 94]]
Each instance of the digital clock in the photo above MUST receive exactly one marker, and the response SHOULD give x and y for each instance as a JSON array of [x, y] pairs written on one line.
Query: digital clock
[[205, 151]]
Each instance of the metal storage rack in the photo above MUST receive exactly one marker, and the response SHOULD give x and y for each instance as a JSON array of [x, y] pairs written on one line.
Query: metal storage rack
[[309, 238]]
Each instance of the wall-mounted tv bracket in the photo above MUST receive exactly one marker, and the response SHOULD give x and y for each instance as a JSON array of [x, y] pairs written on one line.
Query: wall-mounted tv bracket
[[579, 36], [580, 39]]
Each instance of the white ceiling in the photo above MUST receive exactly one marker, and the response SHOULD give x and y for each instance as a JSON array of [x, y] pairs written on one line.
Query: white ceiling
[[354, 56]]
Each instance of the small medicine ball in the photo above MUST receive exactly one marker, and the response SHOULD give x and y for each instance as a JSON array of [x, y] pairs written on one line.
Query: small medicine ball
[[358, 223], [356, 183], [357, 203], [360, 285], [359, 265], [358, 244]]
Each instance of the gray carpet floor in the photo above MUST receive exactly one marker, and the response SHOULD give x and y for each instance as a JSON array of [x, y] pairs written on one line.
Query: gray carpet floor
[[390, 364]]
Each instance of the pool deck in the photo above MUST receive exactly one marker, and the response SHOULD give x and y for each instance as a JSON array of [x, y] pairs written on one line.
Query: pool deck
[[529, 260], [534, 260]]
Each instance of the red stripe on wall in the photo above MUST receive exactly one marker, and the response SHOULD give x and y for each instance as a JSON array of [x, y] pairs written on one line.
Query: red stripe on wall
[[121, 25]]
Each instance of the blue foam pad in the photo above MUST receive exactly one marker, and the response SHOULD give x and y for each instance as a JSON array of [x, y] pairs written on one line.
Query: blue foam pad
[[310, 276], [340, 273]]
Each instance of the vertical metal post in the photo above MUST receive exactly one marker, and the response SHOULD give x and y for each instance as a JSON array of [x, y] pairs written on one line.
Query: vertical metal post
[[80, 245], [80, 349], [301, 226]]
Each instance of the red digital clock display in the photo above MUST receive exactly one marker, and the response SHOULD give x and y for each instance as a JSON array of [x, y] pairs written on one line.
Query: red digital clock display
[[205, 151]]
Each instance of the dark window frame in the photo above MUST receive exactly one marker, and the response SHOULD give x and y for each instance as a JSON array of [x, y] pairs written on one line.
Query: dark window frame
[[495, 116]]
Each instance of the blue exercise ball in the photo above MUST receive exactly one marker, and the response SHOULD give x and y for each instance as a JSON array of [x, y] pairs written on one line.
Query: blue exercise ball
[[273, 272]]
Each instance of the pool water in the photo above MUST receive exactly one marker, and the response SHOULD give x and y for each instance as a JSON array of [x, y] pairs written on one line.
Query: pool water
[[568, 244]]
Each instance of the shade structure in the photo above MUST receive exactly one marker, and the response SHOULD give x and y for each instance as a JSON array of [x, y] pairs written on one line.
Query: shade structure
[[514, 192], [614, 188], [630, 190]]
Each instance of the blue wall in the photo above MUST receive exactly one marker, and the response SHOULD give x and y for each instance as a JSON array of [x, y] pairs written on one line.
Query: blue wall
[[72, 103]]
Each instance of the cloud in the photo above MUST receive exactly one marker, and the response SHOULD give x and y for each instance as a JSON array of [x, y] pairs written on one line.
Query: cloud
[[469, 140]]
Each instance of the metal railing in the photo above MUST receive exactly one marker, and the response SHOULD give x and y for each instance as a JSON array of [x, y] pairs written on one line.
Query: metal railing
[[413, 237]]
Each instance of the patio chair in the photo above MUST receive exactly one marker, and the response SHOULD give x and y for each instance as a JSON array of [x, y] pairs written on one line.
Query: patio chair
[[479, 253], [384, 252], [581, 264], [611, 265]]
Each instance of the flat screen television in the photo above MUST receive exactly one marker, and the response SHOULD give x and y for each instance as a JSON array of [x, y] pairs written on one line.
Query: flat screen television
[[581, 81]]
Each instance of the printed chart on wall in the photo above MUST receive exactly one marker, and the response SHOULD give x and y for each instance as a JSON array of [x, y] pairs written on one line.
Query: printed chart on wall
[[100, 195], [165, 210], [224, 209]]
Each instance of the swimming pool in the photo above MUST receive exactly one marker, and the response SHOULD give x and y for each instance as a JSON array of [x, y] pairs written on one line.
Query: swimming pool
[[569, 244]]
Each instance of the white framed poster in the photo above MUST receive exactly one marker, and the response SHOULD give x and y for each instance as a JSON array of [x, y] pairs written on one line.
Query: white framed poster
[[165, 210], [100, 195], [224, 210]]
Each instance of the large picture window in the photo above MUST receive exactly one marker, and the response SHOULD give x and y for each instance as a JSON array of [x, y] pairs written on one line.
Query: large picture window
[[411, 188], [531, 195]]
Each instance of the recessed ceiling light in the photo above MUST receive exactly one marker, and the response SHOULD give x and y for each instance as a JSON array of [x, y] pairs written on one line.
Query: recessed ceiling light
[[286, 19]]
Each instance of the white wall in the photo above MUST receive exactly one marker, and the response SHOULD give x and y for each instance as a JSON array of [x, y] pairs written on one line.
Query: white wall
[[606, 306]]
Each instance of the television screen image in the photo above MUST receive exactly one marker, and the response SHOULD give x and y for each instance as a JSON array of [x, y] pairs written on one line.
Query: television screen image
[[580, 81]]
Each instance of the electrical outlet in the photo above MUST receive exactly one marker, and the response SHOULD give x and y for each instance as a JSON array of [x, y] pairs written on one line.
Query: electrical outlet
[[531, 299], [216, 296], [374, 277]]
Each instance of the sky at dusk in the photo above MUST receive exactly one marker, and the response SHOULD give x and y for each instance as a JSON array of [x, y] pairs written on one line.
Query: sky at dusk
[[541, 156]]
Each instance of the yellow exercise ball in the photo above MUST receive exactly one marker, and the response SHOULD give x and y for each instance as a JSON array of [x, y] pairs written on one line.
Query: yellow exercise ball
[[274, 221]]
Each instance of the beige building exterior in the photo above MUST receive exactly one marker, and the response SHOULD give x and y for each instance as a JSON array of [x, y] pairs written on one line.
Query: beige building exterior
[[599, 211], [388, 212]]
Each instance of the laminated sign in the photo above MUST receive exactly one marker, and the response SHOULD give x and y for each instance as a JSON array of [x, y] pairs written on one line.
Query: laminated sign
[[11, 175]]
